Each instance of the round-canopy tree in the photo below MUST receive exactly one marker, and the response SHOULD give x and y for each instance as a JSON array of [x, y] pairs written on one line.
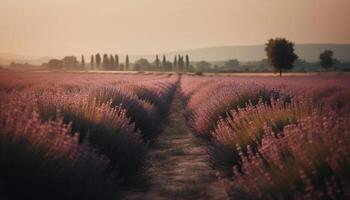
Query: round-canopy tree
[[231, 64], [326, 59], [280, 54], [55, 64], [142, 64]]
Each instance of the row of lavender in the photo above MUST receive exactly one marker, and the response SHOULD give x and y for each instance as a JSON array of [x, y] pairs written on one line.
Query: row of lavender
[[77, 136], [274, 138]]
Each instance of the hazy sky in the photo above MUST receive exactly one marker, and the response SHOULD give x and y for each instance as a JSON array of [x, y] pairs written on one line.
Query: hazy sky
[[57, 27]]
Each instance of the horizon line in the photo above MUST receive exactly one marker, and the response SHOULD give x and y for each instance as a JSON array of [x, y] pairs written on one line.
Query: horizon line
[[165, 52]]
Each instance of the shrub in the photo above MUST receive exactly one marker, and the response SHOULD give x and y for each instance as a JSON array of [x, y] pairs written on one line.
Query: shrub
[[245, 127], [106, 128], [205, 117], [309, 160], [143, 114], [42, 160]]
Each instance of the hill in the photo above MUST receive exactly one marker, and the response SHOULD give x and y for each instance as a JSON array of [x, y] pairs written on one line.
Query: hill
[[7, 58], [309, 52]]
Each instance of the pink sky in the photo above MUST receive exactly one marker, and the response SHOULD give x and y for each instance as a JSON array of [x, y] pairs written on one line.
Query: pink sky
[[58, 27]]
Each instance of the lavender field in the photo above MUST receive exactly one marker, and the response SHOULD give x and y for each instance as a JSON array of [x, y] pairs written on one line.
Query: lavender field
[[174, 100], [274, 138], [172, 136], [74, 136]]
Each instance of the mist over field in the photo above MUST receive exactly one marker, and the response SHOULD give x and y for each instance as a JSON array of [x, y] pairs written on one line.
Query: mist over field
[[309, 52]]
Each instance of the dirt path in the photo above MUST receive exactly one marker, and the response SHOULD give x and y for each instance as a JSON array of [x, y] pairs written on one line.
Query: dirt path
[[179, 166]]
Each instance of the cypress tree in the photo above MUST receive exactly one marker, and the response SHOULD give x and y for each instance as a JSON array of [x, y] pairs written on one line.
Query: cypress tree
[[105, 62], [116, 60], [180, 63], [92, 62], [187, 63], [111, 62], [164, 62], [82, 62], [98, 60], [175, 63], [157, 61], [127, 62]]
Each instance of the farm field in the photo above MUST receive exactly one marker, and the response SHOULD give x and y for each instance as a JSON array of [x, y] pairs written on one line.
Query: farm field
[[274, 138], [172, 136]]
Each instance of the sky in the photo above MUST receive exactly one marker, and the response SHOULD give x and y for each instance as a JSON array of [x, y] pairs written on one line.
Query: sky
[[65, 27]]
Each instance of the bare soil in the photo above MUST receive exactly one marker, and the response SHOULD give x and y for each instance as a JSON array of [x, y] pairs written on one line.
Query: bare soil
[[178, 165]]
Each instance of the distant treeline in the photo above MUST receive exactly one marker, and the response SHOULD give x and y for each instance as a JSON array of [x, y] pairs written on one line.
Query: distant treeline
[[234, 65], [230, 66], [280, 55], [180, 63]]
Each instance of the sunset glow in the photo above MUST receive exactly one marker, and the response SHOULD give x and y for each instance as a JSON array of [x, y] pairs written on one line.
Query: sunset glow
[[60, 27]]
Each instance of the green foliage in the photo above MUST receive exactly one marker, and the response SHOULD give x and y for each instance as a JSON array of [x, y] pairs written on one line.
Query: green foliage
[[98, 60], [55, 64], [92, 62], [175, 64], [116, 60], [231, 64], [70, 62], [280, 54], [180, 63], [82, 61], [187, 63], [157, 61], [326, 59], [111, 62], [203, 66], [141, 64], [105, 62], [127, 62], [164, 62]]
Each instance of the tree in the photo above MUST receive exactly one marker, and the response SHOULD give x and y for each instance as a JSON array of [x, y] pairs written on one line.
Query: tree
[[70, 62], [187, 62], [175, 63], [142, 64], [326, 59], [111, 62], [168, 66], [164, 62], [180, 63], [55, 64], [127, 62], [280, 54], [116, 60], [98, 60], [157, 61], [82, 62], [203, 66], [105, 62], [231, 64], [92, 62]]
